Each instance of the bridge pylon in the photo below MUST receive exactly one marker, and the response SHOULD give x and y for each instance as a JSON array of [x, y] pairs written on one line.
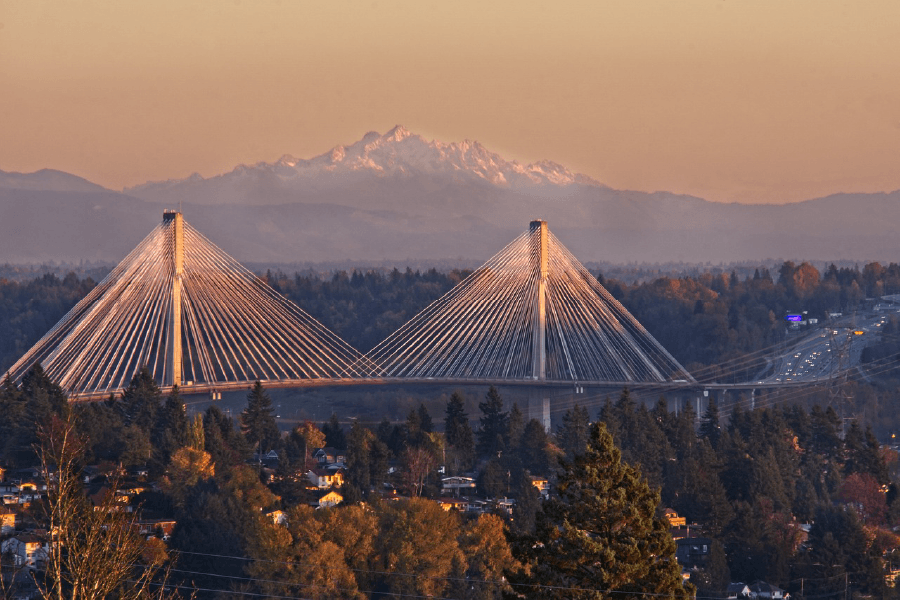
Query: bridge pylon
[[530, 313], [194, 317], [174, 347], [539, 351]]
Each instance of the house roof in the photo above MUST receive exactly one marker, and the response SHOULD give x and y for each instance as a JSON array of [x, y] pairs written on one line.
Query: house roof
[[321, 495], [325, 472], [28, 538], [762, 586]]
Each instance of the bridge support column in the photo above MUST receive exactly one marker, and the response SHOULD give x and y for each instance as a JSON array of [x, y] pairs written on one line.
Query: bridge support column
[[174, 350], [539, 409]]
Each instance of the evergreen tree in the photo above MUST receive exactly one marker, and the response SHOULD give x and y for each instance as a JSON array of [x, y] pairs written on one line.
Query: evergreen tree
[[42, 395], [13, 411], [379, 455], [601, 535], [493, 424], [171, 430], [535, 448], [682, 435], [525, 510], [425, 421], [413, 433], [358, 457], [839, 545], [458, 435], [863, 454], [649, 448], [825, 429], [709, 426], [495, 480], [140, 401], [625, 408], [515, 427], [455, 420], [257, 422], [334, 434], [222, 439], [574, 433], [713, 579]]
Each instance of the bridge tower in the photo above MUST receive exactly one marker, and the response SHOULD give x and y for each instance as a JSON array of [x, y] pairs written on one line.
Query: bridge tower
[[194, 317], [539, 349], [539, 406], [177, 245]]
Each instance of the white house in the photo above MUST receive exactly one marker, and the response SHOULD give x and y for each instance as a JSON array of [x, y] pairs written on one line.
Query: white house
[[27, 550]]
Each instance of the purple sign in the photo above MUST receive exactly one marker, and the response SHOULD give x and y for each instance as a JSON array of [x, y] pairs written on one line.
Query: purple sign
[[794, 317]]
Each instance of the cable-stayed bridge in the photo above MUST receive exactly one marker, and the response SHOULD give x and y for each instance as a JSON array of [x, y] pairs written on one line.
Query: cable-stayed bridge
[[195, 317], [179, 305]]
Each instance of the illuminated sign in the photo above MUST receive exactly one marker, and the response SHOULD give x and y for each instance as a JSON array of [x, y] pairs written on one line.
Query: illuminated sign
[[794, 318]]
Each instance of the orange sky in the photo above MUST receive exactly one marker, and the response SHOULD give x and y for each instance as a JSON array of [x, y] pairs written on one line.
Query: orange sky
[[731, 100]]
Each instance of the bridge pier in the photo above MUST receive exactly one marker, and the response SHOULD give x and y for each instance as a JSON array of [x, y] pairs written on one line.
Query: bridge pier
[[539, 409]]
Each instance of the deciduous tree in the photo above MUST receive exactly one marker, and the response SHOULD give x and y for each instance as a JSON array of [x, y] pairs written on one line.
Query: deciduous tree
[[97, 551]]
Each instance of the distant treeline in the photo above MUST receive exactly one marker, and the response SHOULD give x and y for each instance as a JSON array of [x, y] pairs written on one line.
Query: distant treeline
[[28, 309]]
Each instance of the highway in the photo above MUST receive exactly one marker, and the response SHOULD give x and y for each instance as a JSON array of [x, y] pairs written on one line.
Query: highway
[[826, 350]]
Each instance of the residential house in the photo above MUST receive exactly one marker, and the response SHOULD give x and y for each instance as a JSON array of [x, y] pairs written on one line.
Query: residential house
[[737, 591], [328, 499], [29, 473], [329, 456], [278, 516], [543, 486], [692, 551], [674, 519], [27, 550], [7, 520], [326, 478], [767, 591], [161, 528], [110, 500], [452, 485], [268, 459], [460, 504]]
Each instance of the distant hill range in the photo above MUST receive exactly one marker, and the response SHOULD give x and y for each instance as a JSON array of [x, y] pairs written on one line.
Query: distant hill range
[[397, 196]]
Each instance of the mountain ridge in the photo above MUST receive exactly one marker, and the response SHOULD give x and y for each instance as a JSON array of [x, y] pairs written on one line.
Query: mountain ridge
[[395, 195]]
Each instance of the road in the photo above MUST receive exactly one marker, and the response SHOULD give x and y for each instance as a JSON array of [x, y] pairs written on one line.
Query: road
[[826, 350]]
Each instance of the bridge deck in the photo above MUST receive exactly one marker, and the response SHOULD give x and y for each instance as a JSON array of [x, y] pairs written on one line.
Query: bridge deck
[[191, 389]]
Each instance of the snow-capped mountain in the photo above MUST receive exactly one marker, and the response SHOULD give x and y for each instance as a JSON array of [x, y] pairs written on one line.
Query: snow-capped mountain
[[401, 153], [397, 154]]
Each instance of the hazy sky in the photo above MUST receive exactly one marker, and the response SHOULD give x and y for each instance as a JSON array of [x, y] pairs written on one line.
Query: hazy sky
[[731, 100]]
